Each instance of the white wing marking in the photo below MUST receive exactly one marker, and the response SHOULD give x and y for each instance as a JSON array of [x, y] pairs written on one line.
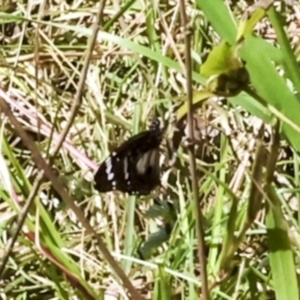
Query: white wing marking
[[125, 166], [150, 158], [108, 169]]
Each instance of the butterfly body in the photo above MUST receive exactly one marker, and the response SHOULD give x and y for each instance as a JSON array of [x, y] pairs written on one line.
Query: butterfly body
[[134, 166]]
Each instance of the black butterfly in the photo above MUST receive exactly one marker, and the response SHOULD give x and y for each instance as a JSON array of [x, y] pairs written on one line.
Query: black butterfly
[[134, 166]]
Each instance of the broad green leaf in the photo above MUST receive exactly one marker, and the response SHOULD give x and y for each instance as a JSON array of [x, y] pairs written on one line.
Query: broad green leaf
[[220, 60], [220, 18], [280, 253], [252, 105], [273, 89], [289, 61]]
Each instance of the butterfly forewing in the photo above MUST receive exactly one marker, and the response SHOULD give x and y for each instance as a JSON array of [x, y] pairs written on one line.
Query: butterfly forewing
[[134, 166]]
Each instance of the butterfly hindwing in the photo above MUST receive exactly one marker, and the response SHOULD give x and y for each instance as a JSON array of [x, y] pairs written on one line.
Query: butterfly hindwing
[[134, 166]]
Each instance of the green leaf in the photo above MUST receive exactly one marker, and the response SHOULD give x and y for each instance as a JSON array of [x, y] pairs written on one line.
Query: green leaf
[[273, 89], [280, 253], [220, 18], [163, 286], [220, 61]]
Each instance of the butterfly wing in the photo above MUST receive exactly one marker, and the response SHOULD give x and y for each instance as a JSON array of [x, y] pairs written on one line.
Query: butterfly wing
[[133, 167]]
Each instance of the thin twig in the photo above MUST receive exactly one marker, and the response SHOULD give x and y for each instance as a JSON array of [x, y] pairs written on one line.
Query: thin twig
[[191, 148], [58, 186], [78, 96], [46, 170], [40, 176]]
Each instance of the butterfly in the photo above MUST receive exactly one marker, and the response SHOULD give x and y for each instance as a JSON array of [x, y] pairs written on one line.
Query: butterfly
[[134, 166]]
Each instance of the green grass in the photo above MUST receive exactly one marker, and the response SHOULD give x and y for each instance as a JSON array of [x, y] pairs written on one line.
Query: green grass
[[248, 183]]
